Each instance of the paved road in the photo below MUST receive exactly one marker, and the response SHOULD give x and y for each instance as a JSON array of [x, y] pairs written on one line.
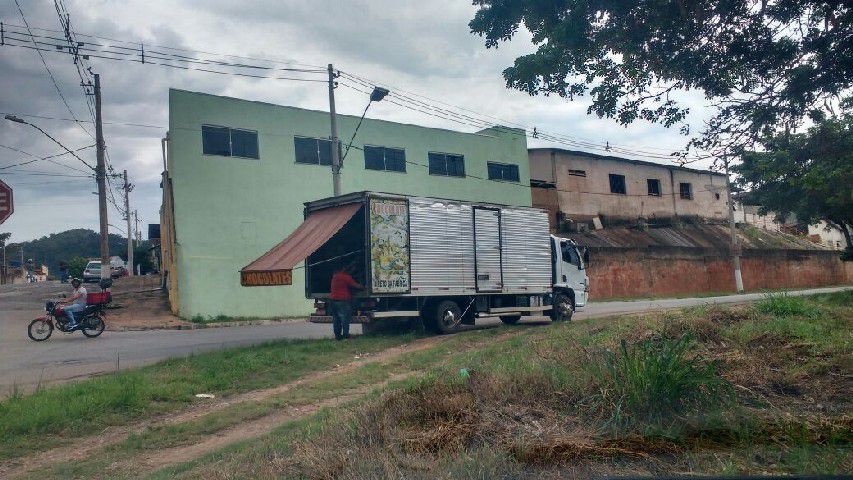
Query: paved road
[[23, 363]]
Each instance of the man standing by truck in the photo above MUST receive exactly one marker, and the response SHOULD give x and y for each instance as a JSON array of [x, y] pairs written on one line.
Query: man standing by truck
[[340, 300]]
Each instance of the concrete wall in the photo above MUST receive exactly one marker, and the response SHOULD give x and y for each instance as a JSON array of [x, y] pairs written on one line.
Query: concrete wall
[[589, 196], [668, 271], [228, 211]]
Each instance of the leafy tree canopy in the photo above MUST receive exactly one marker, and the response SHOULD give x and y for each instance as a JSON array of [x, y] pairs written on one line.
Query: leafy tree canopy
[[809, 174], [766, 65]]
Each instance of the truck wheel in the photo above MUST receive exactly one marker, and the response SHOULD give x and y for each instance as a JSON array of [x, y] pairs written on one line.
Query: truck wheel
[[446, 317], [510, 319], [563, 309]]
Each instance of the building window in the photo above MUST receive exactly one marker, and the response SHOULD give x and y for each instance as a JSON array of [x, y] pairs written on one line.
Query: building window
[[384, 158], [686, 191], [446, 164], [503, 172], [577, 173], [654, 187], [229, 142], [313, 151], [617, 184]]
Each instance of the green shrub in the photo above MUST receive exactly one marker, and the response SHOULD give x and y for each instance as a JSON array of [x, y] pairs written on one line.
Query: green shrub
[[784, 305], [656, 380]]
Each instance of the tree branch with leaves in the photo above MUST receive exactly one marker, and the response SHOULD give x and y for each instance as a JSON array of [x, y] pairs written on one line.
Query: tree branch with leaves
[[764, 65]]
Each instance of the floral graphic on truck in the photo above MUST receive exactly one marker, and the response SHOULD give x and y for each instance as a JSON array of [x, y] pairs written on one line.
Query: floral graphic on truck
[[389, 245]]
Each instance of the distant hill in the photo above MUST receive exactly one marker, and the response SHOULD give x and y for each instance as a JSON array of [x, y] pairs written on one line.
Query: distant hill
[[56, 247]]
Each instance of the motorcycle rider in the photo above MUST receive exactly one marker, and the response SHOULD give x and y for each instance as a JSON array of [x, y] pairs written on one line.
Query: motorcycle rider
[[75, 303]]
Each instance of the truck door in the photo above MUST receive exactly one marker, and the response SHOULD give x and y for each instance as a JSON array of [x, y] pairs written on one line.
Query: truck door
[[572, 274], [487, 249]]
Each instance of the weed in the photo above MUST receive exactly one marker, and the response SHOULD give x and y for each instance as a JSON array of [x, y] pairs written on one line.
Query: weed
[[654, 381], [784, 305]]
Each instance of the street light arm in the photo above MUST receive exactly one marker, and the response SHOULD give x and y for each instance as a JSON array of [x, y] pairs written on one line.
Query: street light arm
[[15, 119]]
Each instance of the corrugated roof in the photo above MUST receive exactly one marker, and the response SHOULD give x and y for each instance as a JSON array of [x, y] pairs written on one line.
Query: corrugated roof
[[692, 236]]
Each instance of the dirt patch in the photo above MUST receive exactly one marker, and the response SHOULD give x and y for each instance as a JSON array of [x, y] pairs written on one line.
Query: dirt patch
[[85, 447]]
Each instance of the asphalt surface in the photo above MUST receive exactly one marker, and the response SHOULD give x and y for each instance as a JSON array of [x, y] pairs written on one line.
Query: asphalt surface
[[24, 364]]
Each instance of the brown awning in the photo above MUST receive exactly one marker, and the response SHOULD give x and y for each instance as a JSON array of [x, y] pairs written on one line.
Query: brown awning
[[274, 267]]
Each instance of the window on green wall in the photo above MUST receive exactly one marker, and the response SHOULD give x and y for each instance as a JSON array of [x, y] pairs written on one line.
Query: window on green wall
[[446, 164], [229, 142], [384, 158], [313, 151], [503, 171]]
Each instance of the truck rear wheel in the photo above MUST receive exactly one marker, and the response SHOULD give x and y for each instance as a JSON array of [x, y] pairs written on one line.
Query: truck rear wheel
[[446, 317], [563, 308]]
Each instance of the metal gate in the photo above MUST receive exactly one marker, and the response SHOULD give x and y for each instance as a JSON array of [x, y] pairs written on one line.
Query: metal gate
[[487, 249]]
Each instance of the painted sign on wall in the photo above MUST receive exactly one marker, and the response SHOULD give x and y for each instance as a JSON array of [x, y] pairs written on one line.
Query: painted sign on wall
[[264, 279], [389, 245]]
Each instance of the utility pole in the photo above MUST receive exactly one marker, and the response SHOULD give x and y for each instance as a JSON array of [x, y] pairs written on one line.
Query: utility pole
[[336, 153], [129, 232], [101, 175], [735, 247]]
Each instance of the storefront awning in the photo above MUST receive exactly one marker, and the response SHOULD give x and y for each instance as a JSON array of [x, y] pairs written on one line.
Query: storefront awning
[[275, 267]]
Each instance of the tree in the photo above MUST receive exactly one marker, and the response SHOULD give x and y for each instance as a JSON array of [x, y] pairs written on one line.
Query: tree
[[76, 265], [764, 65], [808, 174]]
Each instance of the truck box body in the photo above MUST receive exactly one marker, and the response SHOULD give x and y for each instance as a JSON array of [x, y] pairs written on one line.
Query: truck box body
[[417, 246]]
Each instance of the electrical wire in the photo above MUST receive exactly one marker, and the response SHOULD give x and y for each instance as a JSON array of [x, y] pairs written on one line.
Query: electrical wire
[[48, 158], [50, 73], [519, 184], [124, 124]]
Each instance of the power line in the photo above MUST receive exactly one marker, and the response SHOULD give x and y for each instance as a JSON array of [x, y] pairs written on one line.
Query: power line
[[44, 117], [319, 68], [519, 184], [579, 141], [48, 158], [50, 73], [138, 54]]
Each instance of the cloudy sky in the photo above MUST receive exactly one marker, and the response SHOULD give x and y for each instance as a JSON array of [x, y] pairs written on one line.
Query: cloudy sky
[[420, 47]]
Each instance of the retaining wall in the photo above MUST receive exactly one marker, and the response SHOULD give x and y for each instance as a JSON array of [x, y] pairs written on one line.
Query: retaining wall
[[669, 271]]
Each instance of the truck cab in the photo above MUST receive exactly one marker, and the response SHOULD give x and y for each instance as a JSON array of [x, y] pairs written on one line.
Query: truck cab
[[570, 281]]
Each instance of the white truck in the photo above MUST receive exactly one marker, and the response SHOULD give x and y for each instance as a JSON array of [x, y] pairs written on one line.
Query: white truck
[[447, 262]]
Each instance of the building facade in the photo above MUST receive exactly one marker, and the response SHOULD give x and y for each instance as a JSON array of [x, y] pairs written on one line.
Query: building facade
[[582, 186], [239, 171]]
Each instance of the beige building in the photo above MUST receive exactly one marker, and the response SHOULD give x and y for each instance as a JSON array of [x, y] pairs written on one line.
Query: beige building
[[581, 186]]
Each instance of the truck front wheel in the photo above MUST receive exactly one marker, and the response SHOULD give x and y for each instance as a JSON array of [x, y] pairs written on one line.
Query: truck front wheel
[[446, 318], [564, 307]]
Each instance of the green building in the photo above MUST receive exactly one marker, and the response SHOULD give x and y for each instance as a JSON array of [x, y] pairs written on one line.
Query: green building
[[239, 172]]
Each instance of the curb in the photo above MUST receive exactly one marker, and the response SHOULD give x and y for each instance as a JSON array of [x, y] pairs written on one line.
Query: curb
[[200, 326]]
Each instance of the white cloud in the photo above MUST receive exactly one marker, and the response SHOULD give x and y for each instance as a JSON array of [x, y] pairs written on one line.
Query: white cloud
[[423, 47]]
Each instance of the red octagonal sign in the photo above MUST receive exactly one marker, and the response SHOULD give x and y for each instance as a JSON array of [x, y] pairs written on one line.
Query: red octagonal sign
[[7, 207]]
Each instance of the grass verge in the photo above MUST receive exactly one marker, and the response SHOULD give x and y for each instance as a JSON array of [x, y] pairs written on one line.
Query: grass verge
[[48, 417], [707, 390]]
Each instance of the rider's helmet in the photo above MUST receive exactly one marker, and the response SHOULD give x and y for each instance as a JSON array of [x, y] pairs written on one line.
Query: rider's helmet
[[76, 282]]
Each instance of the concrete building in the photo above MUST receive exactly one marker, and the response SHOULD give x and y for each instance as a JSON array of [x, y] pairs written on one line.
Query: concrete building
[[581, 186], [238, 173]]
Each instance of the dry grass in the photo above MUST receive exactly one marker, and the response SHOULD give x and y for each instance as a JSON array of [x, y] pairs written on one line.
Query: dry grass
[[707, 390]]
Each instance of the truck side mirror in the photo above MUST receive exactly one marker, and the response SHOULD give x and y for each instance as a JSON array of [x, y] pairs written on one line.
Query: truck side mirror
[[585, 255]]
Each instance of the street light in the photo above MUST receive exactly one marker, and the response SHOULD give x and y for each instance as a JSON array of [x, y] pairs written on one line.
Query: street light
[[376, 95]]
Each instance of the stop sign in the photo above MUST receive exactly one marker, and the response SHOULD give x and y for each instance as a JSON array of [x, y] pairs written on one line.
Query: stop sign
[[7, 207]]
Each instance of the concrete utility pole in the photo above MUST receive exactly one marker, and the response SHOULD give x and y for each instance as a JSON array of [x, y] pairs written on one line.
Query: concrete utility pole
[[101, 176], [336, 153], [735, 247], [129, 232]]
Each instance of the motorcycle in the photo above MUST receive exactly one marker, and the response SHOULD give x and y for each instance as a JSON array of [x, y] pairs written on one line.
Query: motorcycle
[[90, 321]]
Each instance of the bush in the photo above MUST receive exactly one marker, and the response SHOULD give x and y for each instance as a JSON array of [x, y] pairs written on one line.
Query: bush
[[76, 265], [656, 380], [784, 305]]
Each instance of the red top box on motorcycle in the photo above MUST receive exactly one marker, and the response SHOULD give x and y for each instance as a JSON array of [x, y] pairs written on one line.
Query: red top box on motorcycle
[[98, 298]]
